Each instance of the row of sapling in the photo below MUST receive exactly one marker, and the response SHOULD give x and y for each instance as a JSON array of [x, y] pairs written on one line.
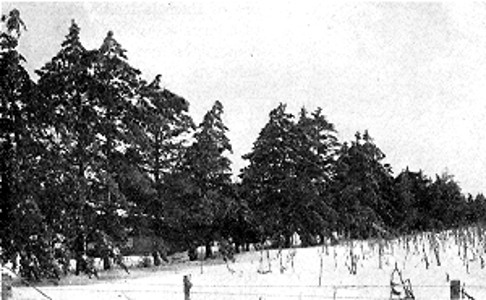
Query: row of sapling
[[430, 246], [470, 245]]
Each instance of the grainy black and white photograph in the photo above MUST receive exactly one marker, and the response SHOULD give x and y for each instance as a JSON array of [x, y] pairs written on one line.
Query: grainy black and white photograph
[[246, 150]]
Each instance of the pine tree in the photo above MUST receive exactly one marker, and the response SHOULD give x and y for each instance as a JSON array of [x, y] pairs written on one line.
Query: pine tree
[[113, 94], [165, 125], [289, 173], [20, 149], [447, 203], [411, 190], [267, 178], [65, 82], [201, 189], [89, 94], [316, 168], [363, 188], [165, 120]]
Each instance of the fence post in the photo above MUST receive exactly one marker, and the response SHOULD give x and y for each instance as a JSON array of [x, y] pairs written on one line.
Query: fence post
[[455, 289], [187, 287]]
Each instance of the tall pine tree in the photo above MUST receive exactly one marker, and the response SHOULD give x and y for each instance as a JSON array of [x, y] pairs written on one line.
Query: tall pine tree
[[287, 180], [363, 188], [21, 145], [202, 189]]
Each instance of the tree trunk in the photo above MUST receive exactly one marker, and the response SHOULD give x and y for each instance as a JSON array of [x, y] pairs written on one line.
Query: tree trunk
[[209, 250], [106, 262], [157, 159], [192, 253], [288, 241], [237, 246]]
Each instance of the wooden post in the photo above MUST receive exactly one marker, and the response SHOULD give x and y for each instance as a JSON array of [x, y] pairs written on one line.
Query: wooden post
[[455, 289], [187, 287]]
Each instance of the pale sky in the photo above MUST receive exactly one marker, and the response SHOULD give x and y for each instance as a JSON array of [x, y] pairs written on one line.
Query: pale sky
[[412, 73]]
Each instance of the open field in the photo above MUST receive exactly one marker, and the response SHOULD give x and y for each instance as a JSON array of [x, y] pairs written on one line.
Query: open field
[[430, 261]]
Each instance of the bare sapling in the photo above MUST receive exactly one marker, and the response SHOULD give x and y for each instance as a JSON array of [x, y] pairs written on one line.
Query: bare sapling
[[457, 242], [435, 245], [352, 260], [282, 267], [464, 245], [262, 269], [380, 253], [321, 267], [291, 256], [335, 258], [425, 258], [416, 243], [363, 256], [325, 244]]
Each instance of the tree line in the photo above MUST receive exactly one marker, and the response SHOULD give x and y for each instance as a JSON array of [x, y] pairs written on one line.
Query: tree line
[[91, 152]]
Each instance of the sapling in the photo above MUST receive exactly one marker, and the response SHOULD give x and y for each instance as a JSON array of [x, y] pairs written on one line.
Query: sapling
[[380, 254], [291, 256], [282, 267], [352, 258], [435, 248], [321, 267], [335, 258], [425, 258], [261, 268]]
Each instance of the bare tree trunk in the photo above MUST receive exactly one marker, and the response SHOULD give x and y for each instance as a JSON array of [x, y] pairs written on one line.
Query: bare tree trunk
[[209, 250]]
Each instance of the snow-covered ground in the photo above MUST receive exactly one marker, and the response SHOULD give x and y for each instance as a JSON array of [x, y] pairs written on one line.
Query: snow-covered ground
[[304, 273]]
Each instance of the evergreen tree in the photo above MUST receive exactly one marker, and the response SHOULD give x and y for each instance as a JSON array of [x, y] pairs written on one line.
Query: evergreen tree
[[478, 209], [65, 82], [113, 92], [287, 180], [447, 203], [201, 189], [316, 150], [20, 144], [363, 188], [267, 178], [412, 191], [90, 95], [164, 117]]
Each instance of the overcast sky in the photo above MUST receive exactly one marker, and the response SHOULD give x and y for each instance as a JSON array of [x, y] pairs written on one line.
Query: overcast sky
[[413, 74]]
